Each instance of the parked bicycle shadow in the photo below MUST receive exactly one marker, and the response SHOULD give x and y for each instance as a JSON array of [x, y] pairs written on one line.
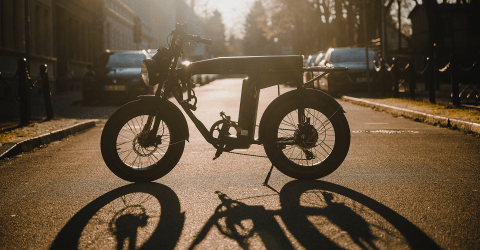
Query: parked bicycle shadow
[[245, 224], [314, 215], [135, 216]]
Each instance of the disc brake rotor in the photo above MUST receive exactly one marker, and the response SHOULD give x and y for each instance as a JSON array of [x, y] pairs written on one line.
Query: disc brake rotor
[[141, 149], [308, 139]]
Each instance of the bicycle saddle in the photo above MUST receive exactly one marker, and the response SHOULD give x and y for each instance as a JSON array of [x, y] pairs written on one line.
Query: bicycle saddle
[[246, 64]]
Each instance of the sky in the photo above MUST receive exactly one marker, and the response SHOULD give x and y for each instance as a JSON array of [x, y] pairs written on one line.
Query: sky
[[233, 12]]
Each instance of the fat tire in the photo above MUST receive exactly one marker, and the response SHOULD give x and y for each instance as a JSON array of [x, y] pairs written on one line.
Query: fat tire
[[318, 170], [158, 169]]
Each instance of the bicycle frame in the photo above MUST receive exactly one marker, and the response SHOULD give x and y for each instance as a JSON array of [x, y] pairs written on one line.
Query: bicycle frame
[[302, 131], [261, 72]]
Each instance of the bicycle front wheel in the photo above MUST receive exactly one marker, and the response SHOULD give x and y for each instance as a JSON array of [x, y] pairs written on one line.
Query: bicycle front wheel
[[128, 153]]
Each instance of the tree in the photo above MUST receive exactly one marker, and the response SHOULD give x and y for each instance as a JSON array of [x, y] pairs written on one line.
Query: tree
[[255, 41], [215, 30], [234, 46], [314, 25]]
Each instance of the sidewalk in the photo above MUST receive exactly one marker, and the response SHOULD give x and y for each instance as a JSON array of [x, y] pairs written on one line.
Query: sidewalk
[[465, 118], [15, 139]]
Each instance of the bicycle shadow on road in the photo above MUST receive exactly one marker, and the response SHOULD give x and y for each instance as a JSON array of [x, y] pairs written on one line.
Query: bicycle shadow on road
[[313, 210], [143, 215], [314, 215]]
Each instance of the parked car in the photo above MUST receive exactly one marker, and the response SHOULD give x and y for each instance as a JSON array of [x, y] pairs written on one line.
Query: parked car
[[115, 75], [317, 62], [356, 77], [312, 60]]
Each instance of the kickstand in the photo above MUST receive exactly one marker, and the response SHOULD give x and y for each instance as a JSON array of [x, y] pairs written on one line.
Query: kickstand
[[265, 183]]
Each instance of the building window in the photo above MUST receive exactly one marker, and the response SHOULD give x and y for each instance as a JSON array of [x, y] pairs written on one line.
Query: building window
[[1, 24], [83, 43], [108, 43], [8, 8], [47, 32], [37, 33]]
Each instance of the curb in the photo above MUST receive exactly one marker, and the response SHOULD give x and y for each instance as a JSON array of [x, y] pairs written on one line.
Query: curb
[[470, 127], [30, 144]]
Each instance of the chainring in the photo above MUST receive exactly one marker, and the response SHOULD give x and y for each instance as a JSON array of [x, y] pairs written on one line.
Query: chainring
[[215, 132]]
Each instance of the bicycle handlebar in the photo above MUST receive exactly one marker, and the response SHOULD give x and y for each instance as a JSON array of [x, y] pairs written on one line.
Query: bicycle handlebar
[[198, 39]]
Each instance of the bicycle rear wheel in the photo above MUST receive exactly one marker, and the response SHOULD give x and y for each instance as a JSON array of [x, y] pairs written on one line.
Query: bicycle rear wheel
[[317, 152]]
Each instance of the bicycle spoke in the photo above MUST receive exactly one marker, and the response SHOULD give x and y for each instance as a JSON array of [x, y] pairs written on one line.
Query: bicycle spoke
[[125, 138], [324, 138], [119, 144], [142, 156], [324, 157]]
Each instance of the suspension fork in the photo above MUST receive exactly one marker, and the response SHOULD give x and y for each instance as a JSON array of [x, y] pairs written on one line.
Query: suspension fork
[[155, 119], [169, 88]]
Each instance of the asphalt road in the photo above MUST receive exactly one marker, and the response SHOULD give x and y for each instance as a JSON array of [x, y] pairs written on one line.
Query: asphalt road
[[403, 185]]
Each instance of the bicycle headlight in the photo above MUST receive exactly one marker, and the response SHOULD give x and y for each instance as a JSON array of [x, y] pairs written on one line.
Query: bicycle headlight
[[154, 72], [148, 72]]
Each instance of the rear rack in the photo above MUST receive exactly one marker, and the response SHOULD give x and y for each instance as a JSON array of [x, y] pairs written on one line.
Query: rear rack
[[325, 71]]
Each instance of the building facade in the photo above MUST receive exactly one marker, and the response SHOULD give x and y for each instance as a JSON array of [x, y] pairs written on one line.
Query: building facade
[[456, 29], [68, 35]]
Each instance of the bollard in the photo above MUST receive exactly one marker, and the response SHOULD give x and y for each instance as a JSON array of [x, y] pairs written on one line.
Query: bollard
[[426, 62], [413, 80], [47, 95], [24, 93], [454, 80], [382, 77], [396, 77], [430, 80]]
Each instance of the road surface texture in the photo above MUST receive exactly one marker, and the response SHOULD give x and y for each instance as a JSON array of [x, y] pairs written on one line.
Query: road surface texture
[[403, 185]]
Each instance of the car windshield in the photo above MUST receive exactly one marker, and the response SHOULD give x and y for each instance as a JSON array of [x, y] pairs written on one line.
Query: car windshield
[[125, 59], [352, 55]]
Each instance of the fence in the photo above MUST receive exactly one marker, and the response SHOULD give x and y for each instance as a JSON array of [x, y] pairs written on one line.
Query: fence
[[412, 69], [24, 84]]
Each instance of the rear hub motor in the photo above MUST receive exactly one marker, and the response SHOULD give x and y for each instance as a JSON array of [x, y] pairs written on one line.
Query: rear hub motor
[[308, 139]]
